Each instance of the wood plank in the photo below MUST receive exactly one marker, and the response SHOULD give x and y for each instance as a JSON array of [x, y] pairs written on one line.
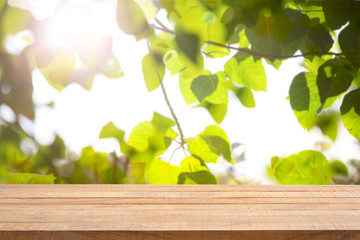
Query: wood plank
[[179, 235], [182, 188], [179, 212], [167, 194], [175, 201]]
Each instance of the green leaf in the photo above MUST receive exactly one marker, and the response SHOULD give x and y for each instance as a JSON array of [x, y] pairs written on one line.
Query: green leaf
[[306, 167], [328, 124], [276, 63], [334, 15], [13, 20], [193, 164], [197, 146], [150, 9], [2, 4], [269, 33], [57, 66], [162, 43], [210, 144], [333, 79], [314, 64], [228, 15], [139, 136], [207, 86], [217, 111], [188, 48], [29, 178], [350, 111], [201, 177], [195, 172], [152, 138], [161, 123], [204, 86], [300, 92], [97, 167], [220, 95], [293, 13], [185, 88], [314, 12], [172, 62], [219, 146], [153, 69], [208, 18], [111, 68], [246, 72], [280, 35], [189, 44], [349, 41], [111, 131], [240, 37], [245, 96], [338, 168], [248, 12], [131, 19], [160, 172], [305, 99]]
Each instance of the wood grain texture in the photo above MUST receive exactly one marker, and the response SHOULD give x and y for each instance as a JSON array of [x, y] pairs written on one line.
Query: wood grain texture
[[179, 212], [180, 235]]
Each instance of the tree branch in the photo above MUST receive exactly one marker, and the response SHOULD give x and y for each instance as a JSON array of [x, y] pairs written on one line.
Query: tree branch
[[246, 50], [182, 141], [252, 53], [162, 27]]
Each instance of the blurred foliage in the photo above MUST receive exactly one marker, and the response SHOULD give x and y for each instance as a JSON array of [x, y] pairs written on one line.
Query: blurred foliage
[[258, 32]]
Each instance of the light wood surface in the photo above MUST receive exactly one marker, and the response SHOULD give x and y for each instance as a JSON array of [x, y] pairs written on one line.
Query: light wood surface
[[179, 212]]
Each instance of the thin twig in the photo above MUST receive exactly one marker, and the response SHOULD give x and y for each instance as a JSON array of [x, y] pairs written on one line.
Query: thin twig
[[209, 54], [182, 141], [245, 50], [173, 154], [164, 27], [252, 53]]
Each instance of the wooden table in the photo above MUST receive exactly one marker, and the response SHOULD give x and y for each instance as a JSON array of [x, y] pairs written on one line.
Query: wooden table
[[108, 212]]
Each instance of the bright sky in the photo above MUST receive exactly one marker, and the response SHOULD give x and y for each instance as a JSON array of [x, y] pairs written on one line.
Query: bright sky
[[78, 115]]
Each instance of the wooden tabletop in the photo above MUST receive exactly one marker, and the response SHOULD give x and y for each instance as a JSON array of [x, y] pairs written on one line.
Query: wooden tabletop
[[181, 211]]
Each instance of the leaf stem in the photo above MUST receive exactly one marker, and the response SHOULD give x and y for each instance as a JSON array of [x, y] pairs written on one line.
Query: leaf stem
[[256, 54]]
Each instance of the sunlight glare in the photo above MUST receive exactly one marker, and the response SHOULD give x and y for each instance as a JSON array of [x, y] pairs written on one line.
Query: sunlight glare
[[77, 24]]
